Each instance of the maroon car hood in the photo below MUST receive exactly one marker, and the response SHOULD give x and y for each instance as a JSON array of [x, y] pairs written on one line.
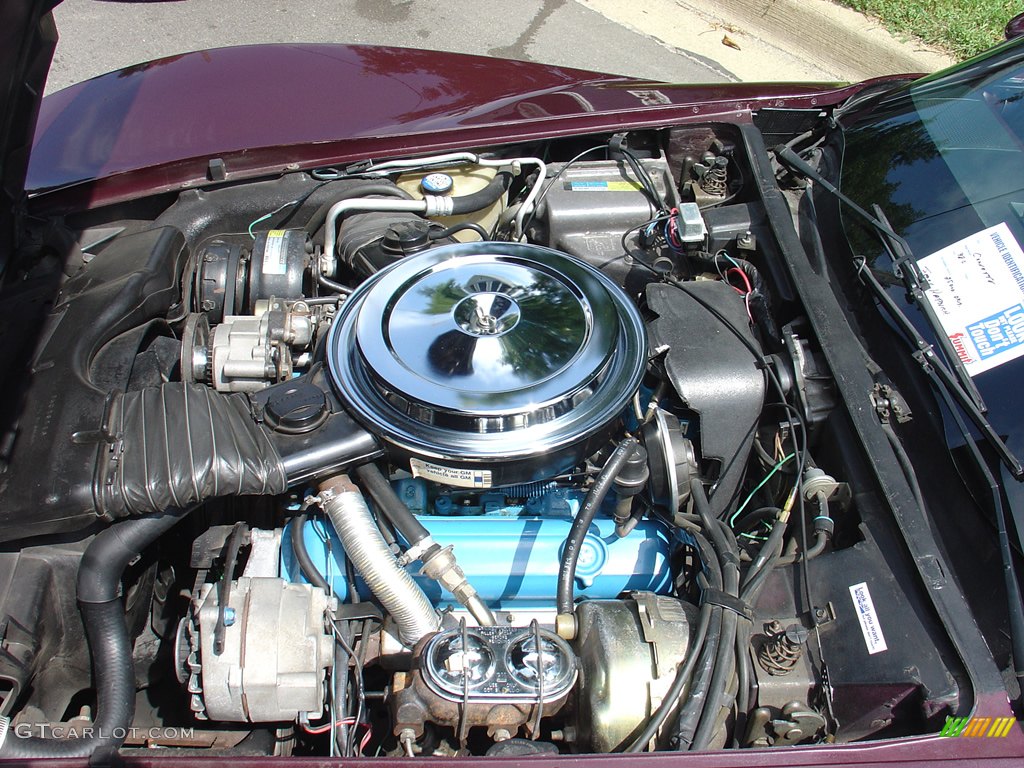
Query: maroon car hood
[[328, 102]]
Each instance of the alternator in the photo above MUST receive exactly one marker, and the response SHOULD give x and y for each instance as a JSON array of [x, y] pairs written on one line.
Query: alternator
[[274, 655]]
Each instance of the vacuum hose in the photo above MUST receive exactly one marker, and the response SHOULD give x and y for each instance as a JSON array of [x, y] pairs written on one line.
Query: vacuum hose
[[438, 562], [565, 621]]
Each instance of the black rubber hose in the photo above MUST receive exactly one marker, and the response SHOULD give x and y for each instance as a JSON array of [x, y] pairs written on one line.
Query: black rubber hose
[[820, 542], [581, 523], [725, 656], [388, 503], [110, 646], [369, 189], [767, 558], [440, 234], [310, 571], [698, 718], [750, 520], [744, 678], [697, 699], [683, 674], [721, 676], [339, 684], [480, 199]]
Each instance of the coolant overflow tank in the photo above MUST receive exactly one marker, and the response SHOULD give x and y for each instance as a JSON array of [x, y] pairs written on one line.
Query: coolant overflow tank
[[457, 182]]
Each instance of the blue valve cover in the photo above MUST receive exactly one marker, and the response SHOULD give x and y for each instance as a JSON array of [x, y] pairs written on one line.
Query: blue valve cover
[[513, 561]]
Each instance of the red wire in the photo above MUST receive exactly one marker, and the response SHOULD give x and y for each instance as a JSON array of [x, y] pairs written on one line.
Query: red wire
[[743, 276], [320, 729], [673, 229]]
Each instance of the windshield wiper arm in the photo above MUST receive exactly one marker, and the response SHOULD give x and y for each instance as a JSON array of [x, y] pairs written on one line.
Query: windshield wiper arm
[[959, 385], [906, 269]]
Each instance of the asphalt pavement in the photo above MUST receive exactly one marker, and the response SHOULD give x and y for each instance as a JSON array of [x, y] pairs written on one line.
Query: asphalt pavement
[[97, 37], [667, 40]]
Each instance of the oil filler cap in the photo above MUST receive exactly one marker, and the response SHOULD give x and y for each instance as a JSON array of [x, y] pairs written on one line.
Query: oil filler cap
[[296, 408]]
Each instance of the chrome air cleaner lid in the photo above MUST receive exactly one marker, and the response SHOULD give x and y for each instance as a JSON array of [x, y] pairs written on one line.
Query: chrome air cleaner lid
[[489, 353]]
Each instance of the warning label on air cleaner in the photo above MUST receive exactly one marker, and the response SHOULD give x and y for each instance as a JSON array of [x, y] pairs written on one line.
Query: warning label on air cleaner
[[457, 476], [869, 626], [977, 290]]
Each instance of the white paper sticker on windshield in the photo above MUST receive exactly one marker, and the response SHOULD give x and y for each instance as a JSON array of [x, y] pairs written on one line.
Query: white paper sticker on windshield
[[865, 607], [977, 290]]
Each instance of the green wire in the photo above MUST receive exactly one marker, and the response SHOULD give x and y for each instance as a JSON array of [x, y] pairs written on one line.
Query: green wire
[[297, 201], [264, 217], [754, 536], [758, 487]]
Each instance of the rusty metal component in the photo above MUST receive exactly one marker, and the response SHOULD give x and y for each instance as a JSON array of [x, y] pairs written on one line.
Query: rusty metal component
[[795, 723], [781, 649]]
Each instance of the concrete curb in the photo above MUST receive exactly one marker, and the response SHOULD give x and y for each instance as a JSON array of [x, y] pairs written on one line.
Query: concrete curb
[[776, 40]]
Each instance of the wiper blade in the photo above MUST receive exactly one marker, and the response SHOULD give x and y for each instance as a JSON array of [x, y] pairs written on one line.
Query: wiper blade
[[905, 268], [959, 385]]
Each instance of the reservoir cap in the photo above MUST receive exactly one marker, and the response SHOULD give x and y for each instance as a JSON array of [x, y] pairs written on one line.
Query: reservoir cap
[[437, 184]]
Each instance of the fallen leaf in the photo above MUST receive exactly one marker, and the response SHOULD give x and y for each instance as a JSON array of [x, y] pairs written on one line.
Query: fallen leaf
[[731, 43]]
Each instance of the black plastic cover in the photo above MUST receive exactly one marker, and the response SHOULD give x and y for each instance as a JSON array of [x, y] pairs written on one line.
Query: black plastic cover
[[54, 406], [712, 371], [327, 440]]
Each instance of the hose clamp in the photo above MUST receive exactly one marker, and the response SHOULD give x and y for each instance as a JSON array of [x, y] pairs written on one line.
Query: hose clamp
[[318, 500], [438, 206], [416, 551]]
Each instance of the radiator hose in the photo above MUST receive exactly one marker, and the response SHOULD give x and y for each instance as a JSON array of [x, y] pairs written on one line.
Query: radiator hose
[[110, 646]]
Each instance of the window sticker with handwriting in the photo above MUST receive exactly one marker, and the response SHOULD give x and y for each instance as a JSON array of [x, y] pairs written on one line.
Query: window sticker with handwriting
[[976, 286]]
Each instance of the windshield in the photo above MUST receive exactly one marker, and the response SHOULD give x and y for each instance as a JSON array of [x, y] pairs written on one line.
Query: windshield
[[944, 159]]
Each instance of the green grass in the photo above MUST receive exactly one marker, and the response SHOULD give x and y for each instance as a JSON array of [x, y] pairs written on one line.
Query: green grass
[[962, 27]]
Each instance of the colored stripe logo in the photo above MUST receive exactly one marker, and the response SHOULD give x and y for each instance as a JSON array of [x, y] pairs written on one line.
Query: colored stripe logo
[[978, 727]]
